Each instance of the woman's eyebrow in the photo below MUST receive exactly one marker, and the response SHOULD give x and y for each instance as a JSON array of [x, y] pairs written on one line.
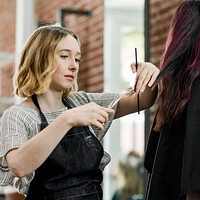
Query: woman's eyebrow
[[68, 50]]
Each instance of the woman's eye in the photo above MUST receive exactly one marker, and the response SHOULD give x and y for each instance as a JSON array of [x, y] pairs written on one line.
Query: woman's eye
[[77, 60], [64, 56]]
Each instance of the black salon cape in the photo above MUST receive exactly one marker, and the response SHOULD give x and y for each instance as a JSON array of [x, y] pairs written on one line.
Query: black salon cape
[[172, 157]]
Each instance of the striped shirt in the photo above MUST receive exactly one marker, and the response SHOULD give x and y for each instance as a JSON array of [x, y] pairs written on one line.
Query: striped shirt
[[19, 123]]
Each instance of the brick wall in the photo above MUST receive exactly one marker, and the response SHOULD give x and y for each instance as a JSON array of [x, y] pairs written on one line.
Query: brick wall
[[88, 27], [7, 45], [90, 30], [7, 48], [161, 13], [7, 28]]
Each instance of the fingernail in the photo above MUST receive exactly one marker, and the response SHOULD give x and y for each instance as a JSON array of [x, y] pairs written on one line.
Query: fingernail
[[142, 90]]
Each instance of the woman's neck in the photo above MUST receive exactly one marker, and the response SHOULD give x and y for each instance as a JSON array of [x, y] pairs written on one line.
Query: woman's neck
[[50, 102]]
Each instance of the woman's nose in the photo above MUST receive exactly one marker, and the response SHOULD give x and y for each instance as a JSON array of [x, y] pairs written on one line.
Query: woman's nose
[[73, 66]]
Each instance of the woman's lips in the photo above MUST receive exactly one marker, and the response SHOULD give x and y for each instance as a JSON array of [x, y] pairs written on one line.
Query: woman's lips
[[70, 77]]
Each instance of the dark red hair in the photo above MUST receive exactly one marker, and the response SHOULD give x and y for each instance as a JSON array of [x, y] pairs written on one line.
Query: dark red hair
[[180, 63]]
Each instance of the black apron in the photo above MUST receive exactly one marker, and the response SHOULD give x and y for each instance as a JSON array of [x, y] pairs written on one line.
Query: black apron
[[72, 169]]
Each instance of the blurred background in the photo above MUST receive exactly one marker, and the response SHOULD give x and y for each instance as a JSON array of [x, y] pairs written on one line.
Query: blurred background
[[109, 31]]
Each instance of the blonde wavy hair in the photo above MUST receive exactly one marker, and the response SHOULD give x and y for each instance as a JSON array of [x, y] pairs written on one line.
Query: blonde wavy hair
[[37, 63]]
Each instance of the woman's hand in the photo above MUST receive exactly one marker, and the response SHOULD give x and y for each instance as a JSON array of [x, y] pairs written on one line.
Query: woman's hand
[[89, 114], [146, 75]]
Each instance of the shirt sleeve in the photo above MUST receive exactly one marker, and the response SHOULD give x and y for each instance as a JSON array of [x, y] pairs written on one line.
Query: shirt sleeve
[[191, 154], [15, 129]]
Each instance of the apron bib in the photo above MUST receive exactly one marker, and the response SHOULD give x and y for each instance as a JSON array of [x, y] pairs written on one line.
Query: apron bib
[[72, 169]]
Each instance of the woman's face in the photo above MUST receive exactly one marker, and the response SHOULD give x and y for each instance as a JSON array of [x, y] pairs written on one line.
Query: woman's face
[[67, 57]]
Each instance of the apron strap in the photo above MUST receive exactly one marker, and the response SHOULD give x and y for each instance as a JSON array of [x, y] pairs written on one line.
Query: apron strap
[[35, 101]]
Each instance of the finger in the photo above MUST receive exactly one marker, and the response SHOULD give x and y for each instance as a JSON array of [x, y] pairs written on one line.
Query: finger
[[133, 67], [142, 79], [145, 82], [97, 120], [102, 119], [153, 78], [147, 76], [99, 125], [108, 110], [141, 67]]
